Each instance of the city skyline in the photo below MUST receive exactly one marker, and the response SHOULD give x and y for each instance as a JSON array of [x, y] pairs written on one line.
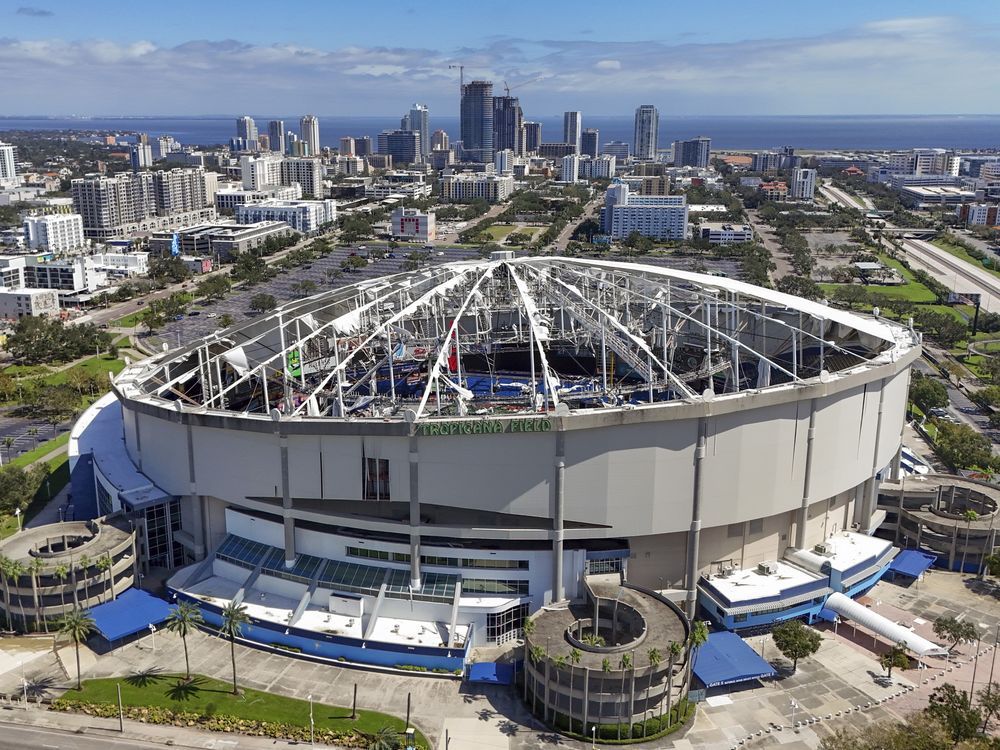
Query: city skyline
[[846, 59]]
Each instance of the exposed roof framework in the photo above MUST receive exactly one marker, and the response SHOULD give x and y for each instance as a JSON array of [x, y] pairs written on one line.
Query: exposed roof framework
[[508, 336]]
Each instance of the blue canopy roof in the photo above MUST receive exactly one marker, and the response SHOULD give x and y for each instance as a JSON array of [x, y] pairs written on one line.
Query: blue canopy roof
[[488, 671], [912, 563], [132, 611], [726, 659]]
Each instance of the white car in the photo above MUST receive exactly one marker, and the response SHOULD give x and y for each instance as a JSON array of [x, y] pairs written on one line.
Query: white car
[[213, 315]]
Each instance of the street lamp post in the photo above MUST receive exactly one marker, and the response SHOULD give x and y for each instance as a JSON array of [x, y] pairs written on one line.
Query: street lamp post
[[312, 733], [17, 514], [152, 636], [24, 686], [975, 661], [593, 736]]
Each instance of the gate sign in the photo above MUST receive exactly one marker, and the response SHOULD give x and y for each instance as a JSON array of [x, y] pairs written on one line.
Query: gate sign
[[294, 364]]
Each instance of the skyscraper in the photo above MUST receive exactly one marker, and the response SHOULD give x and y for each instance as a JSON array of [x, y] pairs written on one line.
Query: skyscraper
[[477, 121], [309, 132], [590, 142], [403, 145], [532, 136], [439, 140], [693, 153], [363, 146], [276, 135], [647, 127], [418, 120], [507, 120], [572, 124], [140, 156], [8, 172], [246, 129], [346, 146]]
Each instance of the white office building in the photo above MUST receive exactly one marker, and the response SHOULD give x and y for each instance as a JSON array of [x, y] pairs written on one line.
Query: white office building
[[8, 170], [465, 186], [647, 126], [57, 233], [141, 156], [662, 217], [803, 184], [302, 216], [720, 233], [20, 303], [503, 161], [307, 172], [411, 223], [228, 199], [260, 170], [122, 265], [601, 167], [309, 133], [570, 171]]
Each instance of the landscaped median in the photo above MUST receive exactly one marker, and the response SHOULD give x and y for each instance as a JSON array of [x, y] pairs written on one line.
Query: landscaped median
[[204, 703]]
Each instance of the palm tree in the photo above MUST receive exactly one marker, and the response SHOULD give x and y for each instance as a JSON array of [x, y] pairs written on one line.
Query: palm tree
[[969, 516], [696, 639], [78, 625], [33, 434], [84, 565], [676, 649], [385, 738], [103, 564], [625, 664], [559, 663], [15, 570], [8, 443], [536, 654], [574, 658], [605, 668], [34, 568], [655, 657], [5, 574], [234, 617], [61, 572], [183, 620]]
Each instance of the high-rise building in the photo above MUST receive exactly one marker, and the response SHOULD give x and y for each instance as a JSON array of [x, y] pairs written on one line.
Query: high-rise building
[[276, 135], [590, 143], [403, 145], [477, 121], [140, 156], [693, 153], [8, 168], [309, 132], [246, 130], [346, 146], [439, 141], [179, 190], [602, 167], [572, 128], [507, 121], [618, 149], [503, 161], [363, 146], [418, 120], [260, 171], [57, 233], [164, 145], [647, 128], [532, 136], [570, 168], [307, 172], [803, 184], [660, 217]]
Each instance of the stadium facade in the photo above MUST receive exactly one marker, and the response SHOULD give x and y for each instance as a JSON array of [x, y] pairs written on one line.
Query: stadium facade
[[399, 469]]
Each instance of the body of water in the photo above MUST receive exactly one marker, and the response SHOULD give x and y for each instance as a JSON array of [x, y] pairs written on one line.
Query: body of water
[[727, 132]]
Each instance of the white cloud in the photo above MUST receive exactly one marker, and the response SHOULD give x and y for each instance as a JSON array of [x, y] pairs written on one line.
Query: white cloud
[[886, 66]]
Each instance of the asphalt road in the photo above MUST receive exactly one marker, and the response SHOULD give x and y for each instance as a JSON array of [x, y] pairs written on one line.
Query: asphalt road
[[13, 737]]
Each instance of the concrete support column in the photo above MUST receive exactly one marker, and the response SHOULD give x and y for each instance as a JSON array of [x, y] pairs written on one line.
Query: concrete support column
[[954, 548], [800, 526], [414, 514], [559, 501], [694, 535], [586, 699], [286, 502], [870, 498], [193, 504]]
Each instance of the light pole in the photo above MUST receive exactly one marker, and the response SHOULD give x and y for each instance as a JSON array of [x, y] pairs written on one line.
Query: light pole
[[593, 736], [152, 636], [312, 734], [121, 711], [793, 705], [24, 686], [17, 513], [975, 661]]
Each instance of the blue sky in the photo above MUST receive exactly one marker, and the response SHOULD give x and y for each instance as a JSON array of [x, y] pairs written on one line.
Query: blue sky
[[374, 58]]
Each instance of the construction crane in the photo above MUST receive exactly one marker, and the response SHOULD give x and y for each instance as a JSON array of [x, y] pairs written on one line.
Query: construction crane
[[506, 88], [461, 74]]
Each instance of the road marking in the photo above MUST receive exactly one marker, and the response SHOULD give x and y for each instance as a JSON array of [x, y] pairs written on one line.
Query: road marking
[[51, 746]]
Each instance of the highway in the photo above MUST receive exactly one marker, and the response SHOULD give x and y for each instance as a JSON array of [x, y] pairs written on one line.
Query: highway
[[14, 737]]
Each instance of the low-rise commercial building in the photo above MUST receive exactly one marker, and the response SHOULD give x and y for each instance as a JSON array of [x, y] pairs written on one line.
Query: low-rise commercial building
[[979, 214], [466, 186], [228, 199], [219, 240], [302, 216], [20, 303], [721, 233], [921, 195], [123, 265], [409, 223], [773, 191]]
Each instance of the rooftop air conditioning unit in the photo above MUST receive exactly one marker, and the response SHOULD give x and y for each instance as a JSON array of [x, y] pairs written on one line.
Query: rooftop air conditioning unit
[[823, 549], [767, 568]]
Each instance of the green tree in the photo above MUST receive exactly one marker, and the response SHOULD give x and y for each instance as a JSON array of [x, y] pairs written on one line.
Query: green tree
[[894, 657], [185, 619], [78, 625], [304, 288], [226, 320], [655, 657], [962, 447], [918, 732], [928, 393], [673, 654], [171, 269], [989, 703], [61, 572], [386, 738], [800, 286], [955, 711], [957, 631], [103, 564], [795, 640], [214, 287], [574, 659], [261, 303], [234, 617]]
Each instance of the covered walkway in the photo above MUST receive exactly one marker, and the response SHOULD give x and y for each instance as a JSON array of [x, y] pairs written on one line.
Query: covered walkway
[[882, 626], [726, 659], [132, 612]]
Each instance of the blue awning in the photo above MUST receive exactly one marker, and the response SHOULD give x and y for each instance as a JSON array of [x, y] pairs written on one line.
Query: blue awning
[[911, 563], [726, 659], [491, 672], [132, 611]]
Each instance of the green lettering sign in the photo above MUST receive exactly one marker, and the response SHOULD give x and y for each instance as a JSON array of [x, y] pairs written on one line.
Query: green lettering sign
[[485, 426]]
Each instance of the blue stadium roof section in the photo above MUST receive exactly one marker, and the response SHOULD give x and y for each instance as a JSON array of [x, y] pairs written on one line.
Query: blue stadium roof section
[[132, 611], [491, 672], [911, 563], [726, 659]]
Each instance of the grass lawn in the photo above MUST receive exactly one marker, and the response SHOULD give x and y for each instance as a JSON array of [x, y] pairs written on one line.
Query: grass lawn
[[43, 449], [499, 231], [26, 371], [214, 697], [94, 365], [128, 321], [911, 292], [960, 252]]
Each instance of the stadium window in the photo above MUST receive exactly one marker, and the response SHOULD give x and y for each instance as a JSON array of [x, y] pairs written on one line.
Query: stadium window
[[734, 530], [756, 525], [375, 478]]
